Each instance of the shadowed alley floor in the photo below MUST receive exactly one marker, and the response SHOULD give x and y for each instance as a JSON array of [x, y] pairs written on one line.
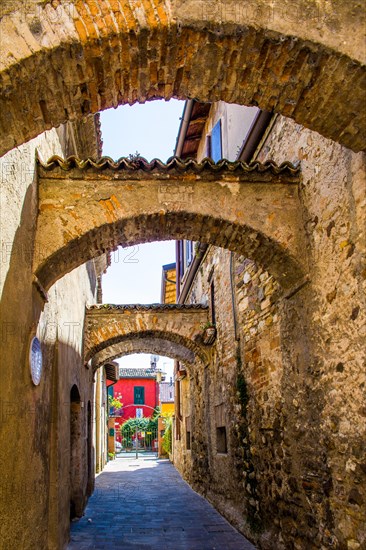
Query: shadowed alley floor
[[145, 505]]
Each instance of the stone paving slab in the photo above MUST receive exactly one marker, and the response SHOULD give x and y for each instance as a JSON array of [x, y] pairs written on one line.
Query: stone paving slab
[[144, 504]]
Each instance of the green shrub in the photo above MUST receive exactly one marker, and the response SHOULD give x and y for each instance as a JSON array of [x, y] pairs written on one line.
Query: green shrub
[[167, 437]]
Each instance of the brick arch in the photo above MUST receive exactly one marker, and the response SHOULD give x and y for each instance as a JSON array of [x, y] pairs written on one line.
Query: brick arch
[[118, 327], [149, 342], [88, 56], [89, 208]]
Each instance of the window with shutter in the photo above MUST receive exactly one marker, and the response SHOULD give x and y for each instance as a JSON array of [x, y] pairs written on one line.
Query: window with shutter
[[139, 395], [216, 147]]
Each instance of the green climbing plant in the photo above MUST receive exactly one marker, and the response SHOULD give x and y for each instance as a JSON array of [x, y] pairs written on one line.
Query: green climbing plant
[[167, 437]]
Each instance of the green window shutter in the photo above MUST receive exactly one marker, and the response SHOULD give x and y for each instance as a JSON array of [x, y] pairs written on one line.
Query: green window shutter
[[139, 395]]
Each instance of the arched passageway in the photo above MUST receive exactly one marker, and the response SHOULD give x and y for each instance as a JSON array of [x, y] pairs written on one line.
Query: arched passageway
[[110, 330], [88, 208], [156, 342], [58, 74], [89, 56]]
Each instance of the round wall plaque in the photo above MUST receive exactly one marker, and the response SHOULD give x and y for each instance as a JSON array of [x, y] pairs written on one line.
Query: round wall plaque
[[35, 360]]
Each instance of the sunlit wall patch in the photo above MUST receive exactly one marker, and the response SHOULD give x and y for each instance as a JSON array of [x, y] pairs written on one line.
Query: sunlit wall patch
[[35, 360]]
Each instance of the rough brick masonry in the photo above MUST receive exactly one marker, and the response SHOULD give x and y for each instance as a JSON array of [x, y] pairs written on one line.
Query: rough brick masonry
[[303, 59], [291, 377]]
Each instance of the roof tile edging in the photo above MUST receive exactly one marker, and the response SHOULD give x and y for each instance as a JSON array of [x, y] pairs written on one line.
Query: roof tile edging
[[146, 307], [174, 163]]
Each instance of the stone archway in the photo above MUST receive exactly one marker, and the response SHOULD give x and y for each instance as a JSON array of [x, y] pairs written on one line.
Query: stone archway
[[88, 56], [173, 329], [146, 342], [88, 208]]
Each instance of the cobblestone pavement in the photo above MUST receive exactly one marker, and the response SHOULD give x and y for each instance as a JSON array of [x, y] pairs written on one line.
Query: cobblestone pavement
[[145, 505]]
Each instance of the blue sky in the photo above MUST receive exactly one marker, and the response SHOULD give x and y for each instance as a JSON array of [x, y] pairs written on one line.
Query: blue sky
[[150, 128], [135, 273]]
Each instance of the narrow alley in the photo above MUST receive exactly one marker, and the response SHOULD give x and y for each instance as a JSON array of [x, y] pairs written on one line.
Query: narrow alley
[[182, 275], [144, 504]]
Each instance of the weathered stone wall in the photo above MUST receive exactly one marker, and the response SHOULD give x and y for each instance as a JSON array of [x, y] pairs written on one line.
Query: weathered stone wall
[[217, 388], [292, 375], [334, 198], [259, 385], [35, 420]]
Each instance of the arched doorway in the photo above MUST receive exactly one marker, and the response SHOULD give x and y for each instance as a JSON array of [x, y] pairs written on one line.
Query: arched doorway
[[89, 450], [76, 495]]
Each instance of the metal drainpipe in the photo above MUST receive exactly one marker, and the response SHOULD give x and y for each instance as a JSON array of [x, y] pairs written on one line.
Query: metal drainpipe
[[255, 135], [202, 248], [177, 271], [233, 304], [186, 117], [246, 154]]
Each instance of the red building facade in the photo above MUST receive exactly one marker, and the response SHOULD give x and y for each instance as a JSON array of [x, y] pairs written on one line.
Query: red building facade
[[138, 391]]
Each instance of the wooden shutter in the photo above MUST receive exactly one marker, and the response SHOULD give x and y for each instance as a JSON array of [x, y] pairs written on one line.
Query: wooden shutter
[[216, 148]]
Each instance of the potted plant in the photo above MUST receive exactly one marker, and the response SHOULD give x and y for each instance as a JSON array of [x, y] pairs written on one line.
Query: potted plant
[[208, 333]]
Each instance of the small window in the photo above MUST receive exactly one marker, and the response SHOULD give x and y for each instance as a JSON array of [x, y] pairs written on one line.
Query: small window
[[188, 441], [139, 395], [221, 444], [216, 148]]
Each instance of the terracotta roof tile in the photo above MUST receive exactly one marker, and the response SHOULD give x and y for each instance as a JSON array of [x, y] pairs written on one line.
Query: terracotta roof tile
[[145, 307], [174, 164], [136, 373]]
